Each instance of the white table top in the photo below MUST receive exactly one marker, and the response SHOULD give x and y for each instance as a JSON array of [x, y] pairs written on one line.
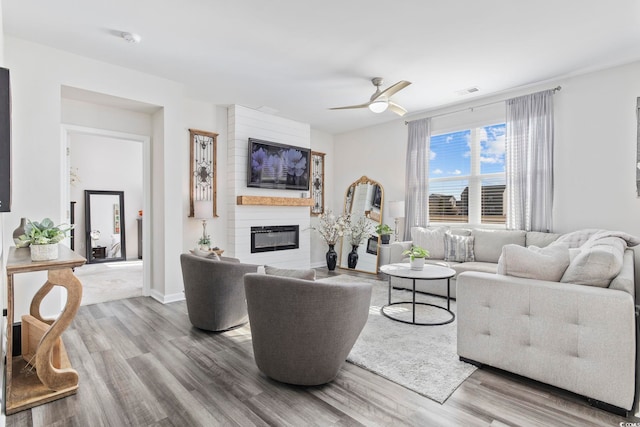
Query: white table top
[[430, 271]]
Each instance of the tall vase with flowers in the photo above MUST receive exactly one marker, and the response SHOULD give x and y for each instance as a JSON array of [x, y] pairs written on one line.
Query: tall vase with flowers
[[331, 227], [358, 231]]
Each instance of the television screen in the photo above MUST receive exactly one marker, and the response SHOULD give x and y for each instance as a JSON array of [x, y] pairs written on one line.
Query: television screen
[[273, 165]]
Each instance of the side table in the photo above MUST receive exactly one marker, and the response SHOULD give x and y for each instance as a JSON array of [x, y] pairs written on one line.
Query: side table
[[24, 389]]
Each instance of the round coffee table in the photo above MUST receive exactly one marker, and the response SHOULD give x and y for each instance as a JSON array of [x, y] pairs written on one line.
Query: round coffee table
[[430, 272]]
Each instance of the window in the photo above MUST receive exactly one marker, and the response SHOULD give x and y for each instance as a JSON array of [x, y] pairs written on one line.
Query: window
[[467, 176]]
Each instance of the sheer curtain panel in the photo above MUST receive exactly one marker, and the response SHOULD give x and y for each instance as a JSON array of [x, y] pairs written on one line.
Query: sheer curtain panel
[[417, 179], [529, 161]]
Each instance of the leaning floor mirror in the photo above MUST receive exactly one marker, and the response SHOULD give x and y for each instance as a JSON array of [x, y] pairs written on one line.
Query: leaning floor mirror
[[364, 201], [104, 226]]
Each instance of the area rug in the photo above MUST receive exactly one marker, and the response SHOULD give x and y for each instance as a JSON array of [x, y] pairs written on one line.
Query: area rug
[[420, 358]]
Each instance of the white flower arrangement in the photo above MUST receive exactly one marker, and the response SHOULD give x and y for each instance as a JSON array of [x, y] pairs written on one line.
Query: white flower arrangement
[[332, 227], [360, 231]]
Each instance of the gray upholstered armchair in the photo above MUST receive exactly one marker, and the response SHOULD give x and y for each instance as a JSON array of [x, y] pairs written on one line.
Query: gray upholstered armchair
[[214, 291], [303, 331]]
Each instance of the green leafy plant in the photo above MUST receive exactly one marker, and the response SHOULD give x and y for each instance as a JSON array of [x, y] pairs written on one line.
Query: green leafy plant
[[383, 229], [205, 241], [416, 252], [43, 233]]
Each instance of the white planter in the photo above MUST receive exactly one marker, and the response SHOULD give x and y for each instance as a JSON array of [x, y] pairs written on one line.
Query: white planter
[[417, 264], [44, 252]]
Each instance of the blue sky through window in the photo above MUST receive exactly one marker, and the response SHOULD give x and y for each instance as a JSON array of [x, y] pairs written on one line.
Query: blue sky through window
[[450, 157], [450, 152]]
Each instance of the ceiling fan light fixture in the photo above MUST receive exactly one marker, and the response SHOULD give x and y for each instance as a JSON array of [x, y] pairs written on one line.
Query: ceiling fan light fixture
[[379, 105]]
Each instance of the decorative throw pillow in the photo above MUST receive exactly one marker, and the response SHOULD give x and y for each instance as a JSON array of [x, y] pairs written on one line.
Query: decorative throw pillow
[[458, 248], [548, 263], [596, 264], [294, 273], [430, 239]]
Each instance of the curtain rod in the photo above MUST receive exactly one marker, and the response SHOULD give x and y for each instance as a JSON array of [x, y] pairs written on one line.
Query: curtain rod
[[555, 89]]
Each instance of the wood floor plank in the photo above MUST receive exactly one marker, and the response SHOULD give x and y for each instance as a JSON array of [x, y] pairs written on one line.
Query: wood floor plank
[[142, 363]]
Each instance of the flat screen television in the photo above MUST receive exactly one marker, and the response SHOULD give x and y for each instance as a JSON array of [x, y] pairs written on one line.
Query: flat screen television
[[280, 166]]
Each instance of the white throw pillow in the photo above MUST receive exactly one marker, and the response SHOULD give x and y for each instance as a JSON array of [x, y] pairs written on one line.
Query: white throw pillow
[[430, 239], [458, 248], [597, 263], [548, 263]]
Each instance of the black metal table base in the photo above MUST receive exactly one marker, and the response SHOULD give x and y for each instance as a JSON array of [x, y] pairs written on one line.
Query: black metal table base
[[453, 316], [414, 303]]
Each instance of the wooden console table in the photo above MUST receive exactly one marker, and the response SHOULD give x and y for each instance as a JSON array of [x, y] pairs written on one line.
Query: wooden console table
[[27, 388]]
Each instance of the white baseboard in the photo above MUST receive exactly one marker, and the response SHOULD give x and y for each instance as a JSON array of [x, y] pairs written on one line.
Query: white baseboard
[[166, 299]]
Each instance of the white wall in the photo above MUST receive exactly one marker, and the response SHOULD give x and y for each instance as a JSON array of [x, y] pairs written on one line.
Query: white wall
[[207, 117], [2, 269], [38, 176], [377, 152], [107, 164], [595, 151], [323, 142], [245, 123]]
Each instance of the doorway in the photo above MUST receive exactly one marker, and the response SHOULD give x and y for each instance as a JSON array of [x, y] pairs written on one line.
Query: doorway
[[99, 160]]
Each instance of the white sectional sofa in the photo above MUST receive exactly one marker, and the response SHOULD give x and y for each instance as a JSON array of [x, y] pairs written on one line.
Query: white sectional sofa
[[487, 247], [563, 315]]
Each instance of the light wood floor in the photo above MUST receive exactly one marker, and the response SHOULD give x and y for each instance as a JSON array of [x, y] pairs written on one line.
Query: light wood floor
[[141, 363]]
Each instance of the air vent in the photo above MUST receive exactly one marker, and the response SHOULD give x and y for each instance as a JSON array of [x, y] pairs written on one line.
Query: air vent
[[467, 91]]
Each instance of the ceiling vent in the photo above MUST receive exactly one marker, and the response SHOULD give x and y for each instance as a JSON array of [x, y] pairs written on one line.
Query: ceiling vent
[[467, 91]]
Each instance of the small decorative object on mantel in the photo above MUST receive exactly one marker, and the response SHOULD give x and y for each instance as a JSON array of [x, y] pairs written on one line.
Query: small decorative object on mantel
[[416, 257], [43, 237], [331, 228]]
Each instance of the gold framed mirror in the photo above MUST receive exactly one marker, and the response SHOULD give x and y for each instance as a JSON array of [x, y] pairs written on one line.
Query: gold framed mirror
[[364, 200]]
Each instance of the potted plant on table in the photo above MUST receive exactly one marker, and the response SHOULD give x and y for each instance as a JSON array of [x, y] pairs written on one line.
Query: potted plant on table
[[416, 256], [384, 231], [43, 237]]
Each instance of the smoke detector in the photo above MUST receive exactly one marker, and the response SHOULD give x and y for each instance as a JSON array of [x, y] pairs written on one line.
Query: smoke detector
[[131, 37]]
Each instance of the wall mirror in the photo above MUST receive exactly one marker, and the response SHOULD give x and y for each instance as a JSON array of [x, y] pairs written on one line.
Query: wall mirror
[[363, 198], [104, 226]]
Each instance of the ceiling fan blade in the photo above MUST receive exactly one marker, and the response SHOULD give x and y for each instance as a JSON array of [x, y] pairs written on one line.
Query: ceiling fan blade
[[350, 107], [396, 108], [391, 90]]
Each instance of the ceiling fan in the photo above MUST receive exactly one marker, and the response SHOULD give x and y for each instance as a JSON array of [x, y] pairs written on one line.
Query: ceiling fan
[[381, 100]]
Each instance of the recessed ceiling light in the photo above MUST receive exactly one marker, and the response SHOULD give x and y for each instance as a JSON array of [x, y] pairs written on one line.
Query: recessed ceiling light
[[131, 37]]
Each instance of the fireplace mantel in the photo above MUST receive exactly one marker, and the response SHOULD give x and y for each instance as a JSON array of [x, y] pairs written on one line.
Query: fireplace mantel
[[274, 201]]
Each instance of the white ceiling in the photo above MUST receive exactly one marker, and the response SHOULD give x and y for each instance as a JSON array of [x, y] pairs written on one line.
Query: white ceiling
[[300, 58]]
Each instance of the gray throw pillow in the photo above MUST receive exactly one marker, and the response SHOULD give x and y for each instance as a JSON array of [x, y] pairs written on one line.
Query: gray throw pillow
[[458, 248], [287, 272]]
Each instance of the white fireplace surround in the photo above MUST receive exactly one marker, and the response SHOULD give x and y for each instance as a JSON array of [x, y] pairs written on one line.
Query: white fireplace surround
[[245, 123]]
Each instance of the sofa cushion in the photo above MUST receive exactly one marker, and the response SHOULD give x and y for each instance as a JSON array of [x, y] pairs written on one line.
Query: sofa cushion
[[458, 248], [431, 239], [540, 239], [481, 267], [487, 246], [596, 263], [305, 274], [547, 263]]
